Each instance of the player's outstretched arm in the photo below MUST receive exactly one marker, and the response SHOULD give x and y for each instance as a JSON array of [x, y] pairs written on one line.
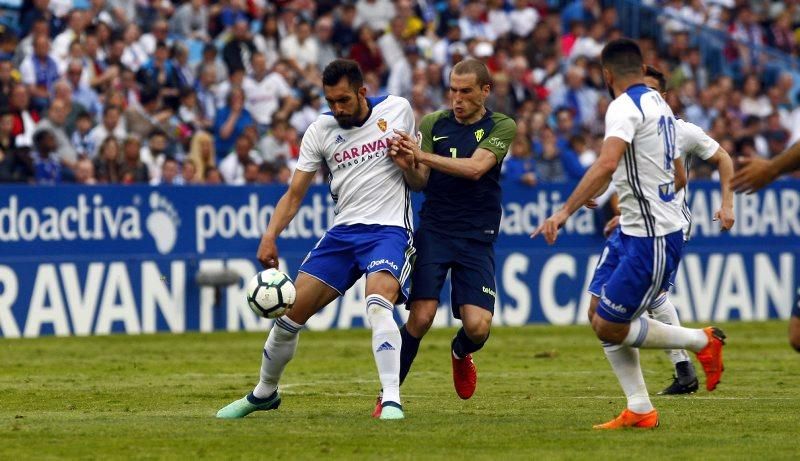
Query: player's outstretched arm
[[724, 215], [757, 172], [592, 182], [284, 213]]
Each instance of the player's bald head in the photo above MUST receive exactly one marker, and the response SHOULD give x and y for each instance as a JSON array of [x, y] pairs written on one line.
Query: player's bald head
[[622, 57]]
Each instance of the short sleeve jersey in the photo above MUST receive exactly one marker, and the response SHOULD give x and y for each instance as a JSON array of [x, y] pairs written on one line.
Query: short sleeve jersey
[[645, 178], [458, 206], [693, 142], [367, 187]]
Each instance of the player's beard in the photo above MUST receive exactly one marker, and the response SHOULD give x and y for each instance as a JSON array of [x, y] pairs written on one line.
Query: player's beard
[[349, 121]]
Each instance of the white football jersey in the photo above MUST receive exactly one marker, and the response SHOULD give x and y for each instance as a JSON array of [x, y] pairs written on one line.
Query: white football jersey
[[366, 185], [692, 142], [645, 177]]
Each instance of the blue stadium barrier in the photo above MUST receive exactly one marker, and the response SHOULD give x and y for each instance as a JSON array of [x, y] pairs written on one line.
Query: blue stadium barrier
[[98, 260]]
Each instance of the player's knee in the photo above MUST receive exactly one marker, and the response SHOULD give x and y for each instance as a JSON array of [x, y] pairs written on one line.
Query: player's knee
[[420, 319], [477, 329], [607, 332]]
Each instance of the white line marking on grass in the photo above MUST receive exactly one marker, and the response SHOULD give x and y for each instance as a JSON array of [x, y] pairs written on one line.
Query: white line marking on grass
[[694, 397]]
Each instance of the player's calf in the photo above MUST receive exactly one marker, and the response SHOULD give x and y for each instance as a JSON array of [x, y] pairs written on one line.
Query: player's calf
[[794, 332]]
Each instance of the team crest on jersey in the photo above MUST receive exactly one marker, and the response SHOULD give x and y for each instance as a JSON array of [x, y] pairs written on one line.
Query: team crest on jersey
[[382, 125], [479, 135]]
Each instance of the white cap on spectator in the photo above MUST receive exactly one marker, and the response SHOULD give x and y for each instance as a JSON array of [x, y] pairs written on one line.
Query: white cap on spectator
[[484, 50]]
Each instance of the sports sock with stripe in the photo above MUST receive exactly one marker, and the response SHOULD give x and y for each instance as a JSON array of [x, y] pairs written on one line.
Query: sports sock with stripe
[[664, 311], [647, 333], [624, 361], [278, 351], [386, 344]]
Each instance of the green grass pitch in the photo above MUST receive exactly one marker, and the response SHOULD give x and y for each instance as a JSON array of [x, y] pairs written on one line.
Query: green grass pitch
[[540, 389]]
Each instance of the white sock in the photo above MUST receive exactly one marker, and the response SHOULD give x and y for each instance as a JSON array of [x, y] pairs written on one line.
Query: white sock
[[625, 363], [664, 311], [278, 350], [647, 333], [386, 342]]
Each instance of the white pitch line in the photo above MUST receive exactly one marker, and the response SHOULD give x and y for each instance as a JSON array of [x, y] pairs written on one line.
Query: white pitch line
[[693, 397]]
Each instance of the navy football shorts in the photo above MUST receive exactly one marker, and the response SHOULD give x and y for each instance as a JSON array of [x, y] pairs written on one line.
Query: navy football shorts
[[471, 266]]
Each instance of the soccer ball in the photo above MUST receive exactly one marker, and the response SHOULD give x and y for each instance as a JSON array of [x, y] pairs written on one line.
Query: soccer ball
[[270, 293]]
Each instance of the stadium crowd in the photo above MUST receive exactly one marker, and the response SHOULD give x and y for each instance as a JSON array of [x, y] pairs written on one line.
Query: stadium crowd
[[191, 92]]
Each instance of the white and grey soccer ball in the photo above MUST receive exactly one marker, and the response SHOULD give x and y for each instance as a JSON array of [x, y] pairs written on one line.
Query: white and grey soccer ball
[[270, 293]]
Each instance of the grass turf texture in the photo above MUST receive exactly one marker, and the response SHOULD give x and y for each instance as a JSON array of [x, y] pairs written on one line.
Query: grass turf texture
[[540, 389]]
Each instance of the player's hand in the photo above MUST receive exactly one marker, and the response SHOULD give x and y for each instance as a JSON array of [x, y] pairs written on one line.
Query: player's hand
[[408, 145], [267, 253], [551, 226], [753, 174], [398, 154], [612, 224], [725, 217]]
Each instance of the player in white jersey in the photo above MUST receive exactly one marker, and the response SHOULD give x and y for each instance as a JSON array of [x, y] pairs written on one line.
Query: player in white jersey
[[692, 142], [638, 153], [371, 233]]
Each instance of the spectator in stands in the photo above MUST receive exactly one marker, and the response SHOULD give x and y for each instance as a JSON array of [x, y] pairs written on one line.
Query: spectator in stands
[[84, 173], [7, 82], [206, 95], [80, 140], [169, 174], [132, 170], [25, 118], [231, 121], [374, 13], [547, 157], [15, 163], [159, 74], [213, 176], [190, 21], [39, 71], [107, 162], [82, 93], [266, 93], [201, 153], [135, 54], [112, 125], [55, 122], [754, 102], [232, 167], [155, 154], [519, 167], [275, 146], [149, 115], [301, 48], [47, 169], [283, 175], [240, 48], [323, 32], [367, 53], [577, 97], [76, 24], [189, 173]]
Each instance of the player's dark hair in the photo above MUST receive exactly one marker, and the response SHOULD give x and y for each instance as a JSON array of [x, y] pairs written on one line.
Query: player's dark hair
[[473, 66], [622, 56], [343, 68], [659, 76]]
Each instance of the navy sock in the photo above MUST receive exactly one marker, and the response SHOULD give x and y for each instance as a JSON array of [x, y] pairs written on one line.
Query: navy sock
[[408, 351], [462, 345]]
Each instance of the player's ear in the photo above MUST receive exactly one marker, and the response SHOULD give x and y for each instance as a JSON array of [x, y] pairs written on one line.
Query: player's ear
[[362, 92]]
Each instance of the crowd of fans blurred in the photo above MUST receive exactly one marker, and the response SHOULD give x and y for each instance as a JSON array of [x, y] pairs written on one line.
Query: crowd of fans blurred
[[190, 92]]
